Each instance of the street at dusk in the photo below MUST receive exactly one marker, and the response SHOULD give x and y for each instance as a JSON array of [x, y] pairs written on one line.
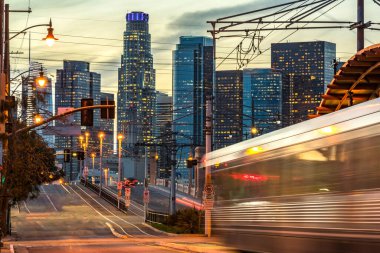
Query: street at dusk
[[190, 126]]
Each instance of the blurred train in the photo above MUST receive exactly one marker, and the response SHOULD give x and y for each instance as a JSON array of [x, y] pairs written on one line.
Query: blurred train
[[312, 187]]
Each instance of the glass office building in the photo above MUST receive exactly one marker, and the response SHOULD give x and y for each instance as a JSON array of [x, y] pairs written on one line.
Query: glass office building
[[37, 100], [192, 83], [228, 108], [307, 70], [262, 101]]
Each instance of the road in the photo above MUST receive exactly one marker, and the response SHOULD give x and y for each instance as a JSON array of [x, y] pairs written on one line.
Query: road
[[71, 218]]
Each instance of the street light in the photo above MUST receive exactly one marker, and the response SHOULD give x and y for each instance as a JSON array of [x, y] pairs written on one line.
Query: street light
[[254, 130], [50, 39], [120, 138], [41, 80], [101, 137], [81, 138], [93, 155], [38, 118]]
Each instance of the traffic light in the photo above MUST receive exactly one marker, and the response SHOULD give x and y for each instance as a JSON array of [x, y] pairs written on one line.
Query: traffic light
[[66, 155], [80, 155], [107, 113], [190, 163], [87, 116]]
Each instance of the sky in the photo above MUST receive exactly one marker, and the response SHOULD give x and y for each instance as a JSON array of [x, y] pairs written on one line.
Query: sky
[[92, 31]]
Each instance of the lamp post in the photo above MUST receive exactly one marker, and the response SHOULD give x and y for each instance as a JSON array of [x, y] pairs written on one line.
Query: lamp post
[[93, 155], [6, 91], [120, 138], [101, 137]]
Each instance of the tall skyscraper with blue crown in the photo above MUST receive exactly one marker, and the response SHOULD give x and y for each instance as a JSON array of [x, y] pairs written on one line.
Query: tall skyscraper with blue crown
[[136, 87]]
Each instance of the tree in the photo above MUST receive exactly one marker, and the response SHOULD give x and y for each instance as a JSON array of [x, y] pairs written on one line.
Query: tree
[[28, 163]]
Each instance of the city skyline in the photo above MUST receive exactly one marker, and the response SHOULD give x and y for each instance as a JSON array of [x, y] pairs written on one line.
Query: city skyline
[[85, 32]]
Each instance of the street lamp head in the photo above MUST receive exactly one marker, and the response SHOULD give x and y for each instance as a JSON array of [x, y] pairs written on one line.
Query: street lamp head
[[93, 155], [254, 130], [120, 137], [38, 119], [101, 135], [50, 39], [87, 134], [41, 80]]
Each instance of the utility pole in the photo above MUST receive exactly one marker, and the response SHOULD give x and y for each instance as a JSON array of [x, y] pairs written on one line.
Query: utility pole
[[361, 26], [173, 175], [208, 192]]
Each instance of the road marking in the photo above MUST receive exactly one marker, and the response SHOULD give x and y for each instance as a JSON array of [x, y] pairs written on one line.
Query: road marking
[[26, 207], [114, 214], [47, 196], [65, 189], [99, 212], [115, 233]]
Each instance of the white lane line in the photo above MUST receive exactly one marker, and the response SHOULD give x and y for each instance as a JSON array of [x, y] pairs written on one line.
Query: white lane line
[[47, 196], [65, 189], [115, 233], [114, 214], [99, 212], [26, 207]]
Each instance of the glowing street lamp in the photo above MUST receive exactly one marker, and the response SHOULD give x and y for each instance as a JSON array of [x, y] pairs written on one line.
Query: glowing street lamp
[[254, 130], [81, 138], [41, 81], [101, 136], [38, 119], [50, 39], [120, 138]]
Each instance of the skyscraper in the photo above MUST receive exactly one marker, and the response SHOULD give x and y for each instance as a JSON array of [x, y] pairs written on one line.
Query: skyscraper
[[37, 100], [136, 88], [228, 105], [306, 69], [107, 126], [262, 101], [164, 112], [75, 82], [192, 83]]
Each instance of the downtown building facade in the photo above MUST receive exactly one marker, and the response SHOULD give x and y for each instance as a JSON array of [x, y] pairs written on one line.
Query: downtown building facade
[[192, 84], [228, 100], [73, 83], [245, 100], [306, 69], [136, 96], [107, 125], [164, 114], [262, 101], [37, 100]]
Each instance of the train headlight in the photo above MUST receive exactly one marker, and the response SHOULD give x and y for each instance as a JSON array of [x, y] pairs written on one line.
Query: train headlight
[[254, 150], [328, 130]]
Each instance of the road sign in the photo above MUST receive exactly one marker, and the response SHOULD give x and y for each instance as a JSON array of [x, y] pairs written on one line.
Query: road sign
[[128, 193], [85, 171], [208, 197], [119, 185], [146, 196]]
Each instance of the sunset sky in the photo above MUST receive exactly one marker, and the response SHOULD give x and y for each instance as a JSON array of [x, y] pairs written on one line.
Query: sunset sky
[[92, 30]]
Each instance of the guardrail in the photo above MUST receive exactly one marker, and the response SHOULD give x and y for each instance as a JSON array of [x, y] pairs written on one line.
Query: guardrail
[[155, 217], [111, 197], [106, 194]]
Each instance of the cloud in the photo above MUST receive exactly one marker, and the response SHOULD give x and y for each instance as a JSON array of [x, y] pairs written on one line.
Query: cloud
[[195, 23]]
